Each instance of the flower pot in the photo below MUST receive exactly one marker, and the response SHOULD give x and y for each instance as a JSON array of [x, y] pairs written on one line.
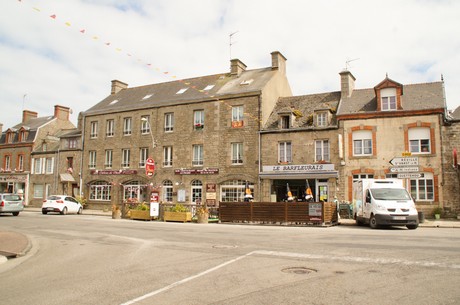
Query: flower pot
[[202, 218], [116, 214], [437, 216], [177, 216], [140, 215]]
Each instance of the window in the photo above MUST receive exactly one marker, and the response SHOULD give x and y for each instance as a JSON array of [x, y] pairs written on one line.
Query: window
[[362, 143], [9, 137], [285, 121], [69, 162], [143, 155], [285, 152], [362, 176], [72, 143], [422, 189], [125, 155], [169, 122], [100, 190], [208, 87], [145, 124], [92, 159], [93, 132], [197, 191], [237, 153], [21, 163], [167, 156], [38, 190], [181, 90], [167, 191], [133, 190], [322, 150], [198, 119], [419, 140], [7, 163], [23, 136], [321, 119], [49, 165], [127, 123], [233, 191], [237, 116], [388, 96], [108, 158], [197, 155], [110, 128], [37, 165]]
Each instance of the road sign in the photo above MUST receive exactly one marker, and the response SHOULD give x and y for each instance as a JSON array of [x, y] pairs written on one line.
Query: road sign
[[404, 161], [410, 175], [407, 169]]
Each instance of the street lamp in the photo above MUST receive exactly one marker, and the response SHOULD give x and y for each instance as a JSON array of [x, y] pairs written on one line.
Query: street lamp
[[149, 171], [144, 119]]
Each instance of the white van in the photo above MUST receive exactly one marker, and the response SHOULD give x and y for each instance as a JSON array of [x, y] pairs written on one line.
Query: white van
[[383, 202]]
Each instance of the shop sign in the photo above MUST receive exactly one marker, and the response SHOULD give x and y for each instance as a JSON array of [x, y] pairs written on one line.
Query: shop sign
[[315, 209], [211, 188], [207, 171], [114, 172], [149, 167], [298, 168], [13, 178]]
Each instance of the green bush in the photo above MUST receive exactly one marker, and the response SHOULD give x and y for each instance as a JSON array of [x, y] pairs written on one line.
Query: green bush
[[178, 208]]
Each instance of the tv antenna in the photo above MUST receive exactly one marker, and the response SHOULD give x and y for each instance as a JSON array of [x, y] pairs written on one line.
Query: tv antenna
[[347, 63], [231, 43]]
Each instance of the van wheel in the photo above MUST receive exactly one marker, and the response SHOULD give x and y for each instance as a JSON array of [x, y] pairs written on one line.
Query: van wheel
[[373, 222], [15, 213], [412, 227]]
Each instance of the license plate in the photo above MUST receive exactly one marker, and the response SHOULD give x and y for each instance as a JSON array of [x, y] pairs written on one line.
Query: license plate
[[50, 209], [399, 217]]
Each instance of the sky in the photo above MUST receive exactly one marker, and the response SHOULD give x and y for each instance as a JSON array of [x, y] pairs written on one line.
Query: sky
[[55, 52]]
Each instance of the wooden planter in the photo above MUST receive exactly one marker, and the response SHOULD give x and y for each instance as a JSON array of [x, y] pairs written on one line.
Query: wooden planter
[[177, 216], [140, 215]]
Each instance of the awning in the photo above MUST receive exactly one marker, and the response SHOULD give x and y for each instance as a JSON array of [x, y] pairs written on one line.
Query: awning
[[66, 177], [297, 175]]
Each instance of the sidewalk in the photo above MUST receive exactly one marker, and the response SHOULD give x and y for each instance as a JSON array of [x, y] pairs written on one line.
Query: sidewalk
[[428, 223]]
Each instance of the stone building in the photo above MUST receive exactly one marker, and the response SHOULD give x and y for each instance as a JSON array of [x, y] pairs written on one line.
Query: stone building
[[17, 144], [394, 131], [300, 148], [202, 133]]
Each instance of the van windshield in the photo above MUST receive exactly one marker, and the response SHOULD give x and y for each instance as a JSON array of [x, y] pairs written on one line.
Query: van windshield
[[390, 194]]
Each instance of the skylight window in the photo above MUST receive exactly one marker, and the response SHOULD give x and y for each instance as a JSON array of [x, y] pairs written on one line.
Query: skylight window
[[209, 87], [247, 82], [181, 90], [113, 102], [147, 96]]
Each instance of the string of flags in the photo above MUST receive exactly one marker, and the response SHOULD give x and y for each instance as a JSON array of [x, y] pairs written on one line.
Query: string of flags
[[146, 64]]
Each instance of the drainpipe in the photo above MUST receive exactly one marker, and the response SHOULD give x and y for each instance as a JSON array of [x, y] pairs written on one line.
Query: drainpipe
[[260, 152], [81, 155]]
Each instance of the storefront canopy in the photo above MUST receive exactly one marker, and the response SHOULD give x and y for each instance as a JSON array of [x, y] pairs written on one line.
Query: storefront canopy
[[299, 175], [66, 177]]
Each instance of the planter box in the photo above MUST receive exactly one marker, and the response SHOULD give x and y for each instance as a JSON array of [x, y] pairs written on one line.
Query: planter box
[[140, 215], [177, 216]]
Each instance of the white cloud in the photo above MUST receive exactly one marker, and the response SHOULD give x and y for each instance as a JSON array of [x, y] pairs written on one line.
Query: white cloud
[[53, 63]]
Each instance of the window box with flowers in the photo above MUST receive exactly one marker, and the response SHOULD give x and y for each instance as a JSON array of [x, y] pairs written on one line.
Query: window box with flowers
[[177, 213], [198, 126]]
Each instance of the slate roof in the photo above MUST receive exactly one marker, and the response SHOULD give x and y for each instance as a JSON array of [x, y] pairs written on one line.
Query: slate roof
[[424, 96], [31, 126], [456, 114], [165, 94], [306, 105]]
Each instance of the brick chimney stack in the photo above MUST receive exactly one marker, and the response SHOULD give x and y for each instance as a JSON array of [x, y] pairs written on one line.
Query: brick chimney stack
[[347, 83], [278, 62], [1, 128], [117, 86], [61, 112], [237, 67], [27, 115]]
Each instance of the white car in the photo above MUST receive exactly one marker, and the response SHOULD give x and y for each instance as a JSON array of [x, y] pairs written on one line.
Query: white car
[[61, 204]]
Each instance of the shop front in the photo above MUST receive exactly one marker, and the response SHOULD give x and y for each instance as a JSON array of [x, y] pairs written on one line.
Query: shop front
[[306, 182], [15, 183]]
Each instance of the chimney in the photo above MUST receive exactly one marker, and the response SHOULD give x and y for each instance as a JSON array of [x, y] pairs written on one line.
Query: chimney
[[236, 67], [27, 115], [347, 83], [61, 112], [278, 62], [1, 128], [117, 86]]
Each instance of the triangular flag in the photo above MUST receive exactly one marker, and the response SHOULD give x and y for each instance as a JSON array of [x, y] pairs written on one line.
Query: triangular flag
[[82, 31], [53, 16]]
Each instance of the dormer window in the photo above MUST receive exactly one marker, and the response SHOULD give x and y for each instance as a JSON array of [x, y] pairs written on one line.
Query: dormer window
[[23, 136], [321, 119], [388, 99], [9, 137], [285, 121]]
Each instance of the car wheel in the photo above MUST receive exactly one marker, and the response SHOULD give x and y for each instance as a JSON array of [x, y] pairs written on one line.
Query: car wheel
[[373, 222], [64, 211], [80, 211], [412, 227], [44, 212], [15, 213]]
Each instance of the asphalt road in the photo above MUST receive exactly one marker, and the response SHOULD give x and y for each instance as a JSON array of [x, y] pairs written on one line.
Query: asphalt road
[[81, 259]]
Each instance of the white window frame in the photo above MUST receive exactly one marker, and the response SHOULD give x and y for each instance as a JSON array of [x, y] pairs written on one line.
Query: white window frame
[[363, 138], [198, 119], [196, 190], [419, 140], [49, 165], [110, 128], [125, 157], [388, 99], [237, 153], [20, 162], [108, 162], [169, 122], [285, 152], [38, 190], [322, 151], [422, 189], [100, 190], [167, 156], [233, 190], [127, 126], [92, 159], [145, 124], [72, 143], [321, 119], [143, 156], [93, 133], [37, 166], [7, 162], [198, 152], [167, 191]]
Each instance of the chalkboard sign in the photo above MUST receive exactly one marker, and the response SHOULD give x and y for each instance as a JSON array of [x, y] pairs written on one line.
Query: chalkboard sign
[[315, 209]]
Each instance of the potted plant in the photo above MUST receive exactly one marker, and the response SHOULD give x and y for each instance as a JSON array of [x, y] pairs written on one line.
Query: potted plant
[[437, 211], [202, 214], [177, 213], [141, 212], [116, 212]]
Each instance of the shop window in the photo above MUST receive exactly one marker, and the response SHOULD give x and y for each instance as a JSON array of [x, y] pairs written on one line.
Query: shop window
[[167, 191], [133, 192], [100, 190], [233, 190], [197, 191]]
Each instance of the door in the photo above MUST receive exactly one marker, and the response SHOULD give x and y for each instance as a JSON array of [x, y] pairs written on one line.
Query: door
[[323, 192]]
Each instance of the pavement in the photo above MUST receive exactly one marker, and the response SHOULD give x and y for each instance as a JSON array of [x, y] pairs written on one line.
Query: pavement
[[13, 244]]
